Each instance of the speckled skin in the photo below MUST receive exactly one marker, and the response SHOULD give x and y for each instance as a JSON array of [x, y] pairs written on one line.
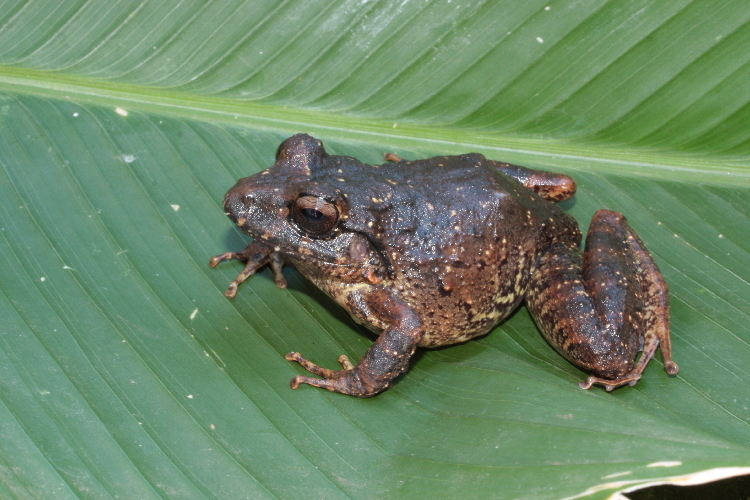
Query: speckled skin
[[438, 251]]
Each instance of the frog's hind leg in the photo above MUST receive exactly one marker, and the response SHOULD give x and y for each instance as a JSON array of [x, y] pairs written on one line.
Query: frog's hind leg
[[600, 308], [393, 158], [549, 185]]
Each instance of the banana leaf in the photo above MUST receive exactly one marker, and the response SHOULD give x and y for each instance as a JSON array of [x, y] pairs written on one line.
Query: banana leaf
[[126, 373]]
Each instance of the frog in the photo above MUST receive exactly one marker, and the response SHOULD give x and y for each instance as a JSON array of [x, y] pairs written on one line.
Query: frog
[[438, 251]]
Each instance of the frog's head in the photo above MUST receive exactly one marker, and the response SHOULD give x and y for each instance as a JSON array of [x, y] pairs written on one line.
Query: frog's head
[[293, 208]]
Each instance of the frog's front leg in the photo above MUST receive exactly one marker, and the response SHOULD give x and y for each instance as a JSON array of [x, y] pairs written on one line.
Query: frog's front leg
[[385, 360], [598, 310]]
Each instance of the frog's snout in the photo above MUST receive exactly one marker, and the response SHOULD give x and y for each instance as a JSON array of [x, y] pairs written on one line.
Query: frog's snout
[[234, 201]]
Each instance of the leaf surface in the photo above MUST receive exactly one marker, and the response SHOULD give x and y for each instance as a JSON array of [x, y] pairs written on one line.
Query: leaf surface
[[124, 371]]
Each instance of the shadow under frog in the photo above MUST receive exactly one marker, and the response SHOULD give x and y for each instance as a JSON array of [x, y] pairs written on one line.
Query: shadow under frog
[[434, 252]]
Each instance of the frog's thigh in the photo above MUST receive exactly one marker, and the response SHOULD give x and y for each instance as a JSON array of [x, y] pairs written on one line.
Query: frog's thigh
[[600, 309]]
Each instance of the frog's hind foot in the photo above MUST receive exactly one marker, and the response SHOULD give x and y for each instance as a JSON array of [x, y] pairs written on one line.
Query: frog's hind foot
[[634, 375], [611, 384]]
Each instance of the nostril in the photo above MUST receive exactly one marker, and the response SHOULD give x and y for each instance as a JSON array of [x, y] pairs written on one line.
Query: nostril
[[249, 198]]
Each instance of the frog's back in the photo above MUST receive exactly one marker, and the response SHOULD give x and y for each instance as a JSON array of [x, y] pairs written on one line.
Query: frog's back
[[461, 238]]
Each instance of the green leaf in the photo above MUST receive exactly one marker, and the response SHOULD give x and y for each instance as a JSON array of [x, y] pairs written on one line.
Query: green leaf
[[125, 372]]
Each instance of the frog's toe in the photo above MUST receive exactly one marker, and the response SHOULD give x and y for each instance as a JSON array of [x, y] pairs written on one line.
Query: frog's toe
[[323, 383], [344, 382], [671, 367], [344, 360], [310, 366], [611, 384], [299, 379], [586, 384], [218, 258], [232, 289]]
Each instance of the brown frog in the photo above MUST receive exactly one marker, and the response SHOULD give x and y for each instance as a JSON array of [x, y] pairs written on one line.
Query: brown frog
[[437, 251]]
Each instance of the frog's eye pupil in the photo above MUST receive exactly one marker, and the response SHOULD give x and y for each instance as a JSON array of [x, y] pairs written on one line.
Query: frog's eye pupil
[[315, 215]]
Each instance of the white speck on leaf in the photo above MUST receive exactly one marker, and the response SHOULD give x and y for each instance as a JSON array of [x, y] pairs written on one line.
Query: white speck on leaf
[[618, 474], [194, 314], [540, 39], [175, 207], [128, 158], [121, 112]]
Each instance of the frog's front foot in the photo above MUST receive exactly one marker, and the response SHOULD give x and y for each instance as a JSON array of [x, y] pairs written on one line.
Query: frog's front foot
[[256, 255], [346, 381], [386, 359]]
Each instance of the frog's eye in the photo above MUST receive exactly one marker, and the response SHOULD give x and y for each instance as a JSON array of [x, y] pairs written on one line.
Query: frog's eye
[[315, 215]]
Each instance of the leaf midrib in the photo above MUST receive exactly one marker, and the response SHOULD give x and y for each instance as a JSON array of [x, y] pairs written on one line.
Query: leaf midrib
[[666, 164]]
